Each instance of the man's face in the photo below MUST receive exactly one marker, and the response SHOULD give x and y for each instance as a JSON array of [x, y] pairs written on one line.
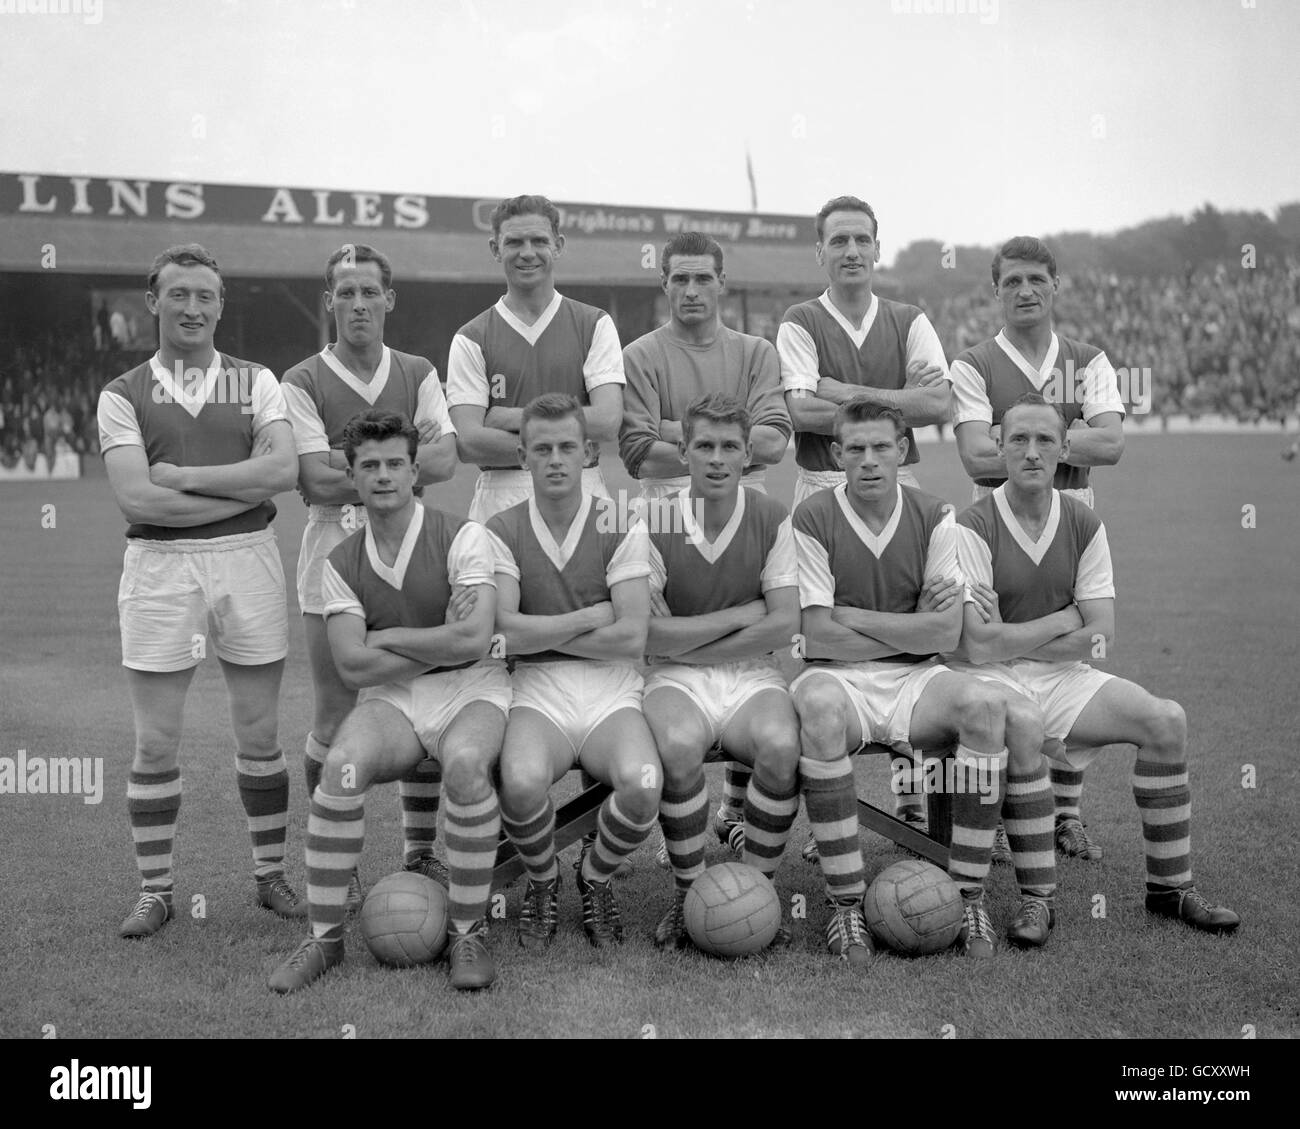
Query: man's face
[[848, 249], [359, 303], [716, 457], [553, 451], [384, 474], [1032, 445], [693, 285], [527, 248], [188, 306], [1026, 291], [870, 454]]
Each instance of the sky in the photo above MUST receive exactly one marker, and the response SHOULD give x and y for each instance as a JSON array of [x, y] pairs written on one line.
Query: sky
[[959, 120]]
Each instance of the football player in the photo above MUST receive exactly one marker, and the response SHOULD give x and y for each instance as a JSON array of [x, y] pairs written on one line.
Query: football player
[[408, 601], [1027, 356], [357, 373], [724, 595], [534, 340], [881, 595], [572, 609], [1041, 600], [669, 368], [196, 444], [849, 343]]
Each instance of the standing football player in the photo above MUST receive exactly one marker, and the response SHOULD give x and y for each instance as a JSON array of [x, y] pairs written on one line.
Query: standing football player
[[724, 595], [572, 605], [1041, 598], [533, 341], [355, 374], [408, 601], [196, 444], [848, 344], [1028, 356], [881, 595], [668, 369]]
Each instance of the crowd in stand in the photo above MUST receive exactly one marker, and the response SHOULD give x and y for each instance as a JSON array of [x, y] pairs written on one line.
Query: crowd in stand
[[49, 388], [1217, 340]]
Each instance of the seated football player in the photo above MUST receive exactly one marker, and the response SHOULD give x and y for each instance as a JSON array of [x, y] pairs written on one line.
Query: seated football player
[[881, 596], [1042, 600], [724, 595], [409, 604], [572, 605]]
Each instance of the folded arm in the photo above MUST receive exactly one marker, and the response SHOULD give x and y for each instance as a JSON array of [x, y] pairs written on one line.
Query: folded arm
[[143, 501], [359, 663], [457, 641], [270, 469], [773, 631], [624, 639]]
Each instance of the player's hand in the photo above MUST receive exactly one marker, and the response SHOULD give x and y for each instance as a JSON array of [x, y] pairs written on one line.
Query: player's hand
[[429, 431], [922, 374], [461, 603], [670, 430], [659, 606], [939, 594], [986, 603], [166, 475]]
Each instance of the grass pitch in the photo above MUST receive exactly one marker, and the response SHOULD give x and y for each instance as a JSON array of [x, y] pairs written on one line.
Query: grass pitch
[[1207, 614]]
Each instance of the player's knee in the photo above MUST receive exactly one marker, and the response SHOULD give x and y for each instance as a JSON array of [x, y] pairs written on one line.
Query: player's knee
[[347, 770], [1167, 729], [681, 750], [982, 713], [466, 775], [776, 754], [1024, 730], [524, 783], [638, 787], [820, 706]]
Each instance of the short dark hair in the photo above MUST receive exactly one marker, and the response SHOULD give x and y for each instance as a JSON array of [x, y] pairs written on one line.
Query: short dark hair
[[184, 255], [692, 243], [1034, 400], [377, 425], [864, 411], [553, 405], [353, 253], [1024, 247], [845, 204], [525, 206], [716, 407]]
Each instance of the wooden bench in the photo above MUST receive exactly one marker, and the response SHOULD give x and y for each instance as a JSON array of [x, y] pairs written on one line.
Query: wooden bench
[[577, 817]]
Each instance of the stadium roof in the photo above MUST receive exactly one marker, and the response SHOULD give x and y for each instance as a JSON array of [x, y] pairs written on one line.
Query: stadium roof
[[117, 226]]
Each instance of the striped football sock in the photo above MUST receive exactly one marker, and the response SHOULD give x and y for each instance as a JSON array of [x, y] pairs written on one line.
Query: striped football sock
[[684, 816], [1028, 814], [908, 785], [264, 792], [472, 833], [976, 805], [1164, 801], [616, 838], [420, 790], [832, 802], [735, 787], [336, 832], [534, 839], [1067, 787], [153, 800], [769, 815], [313, 763]]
